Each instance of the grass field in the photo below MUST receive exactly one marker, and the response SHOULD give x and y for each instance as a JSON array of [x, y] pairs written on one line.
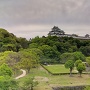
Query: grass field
[[58, 69], [46, 81]]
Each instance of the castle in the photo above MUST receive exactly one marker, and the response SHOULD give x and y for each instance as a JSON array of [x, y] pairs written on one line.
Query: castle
[[60, 33]]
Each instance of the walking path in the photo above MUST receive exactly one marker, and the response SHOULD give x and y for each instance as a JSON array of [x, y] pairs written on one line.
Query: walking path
[[22, 75]]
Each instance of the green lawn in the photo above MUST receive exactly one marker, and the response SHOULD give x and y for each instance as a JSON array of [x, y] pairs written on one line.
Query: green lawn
[[46, 81], [58, 69]]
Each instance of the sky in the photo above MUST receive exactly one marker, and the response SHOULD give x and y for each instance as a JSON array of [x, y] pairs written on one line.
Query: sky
[[31, 18]]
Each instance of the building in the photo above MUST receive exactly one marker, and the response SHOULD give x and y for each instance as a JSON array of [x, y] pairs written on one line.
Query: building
[[56, 32], [60, 33]]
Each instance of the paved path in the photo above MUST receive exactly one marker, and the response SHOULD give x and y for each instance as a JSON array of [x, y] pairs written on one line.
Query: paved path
[[22, 75]]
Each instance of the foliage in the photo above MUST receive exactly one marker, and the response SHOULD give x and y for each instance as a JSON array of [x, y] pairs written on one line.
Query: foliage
[[11, 59], [79, 55], [65, 57], [85, 50], [50, 53], [87, 88], [61, 80], [29, 83], [9, 42], [53, 48], [7, 83], [70, 64], [23, 42], [77, 62], [33, 45], [80, 66], [63, 44], [5, 70], [72, 56], [88, 60], [29, 59]]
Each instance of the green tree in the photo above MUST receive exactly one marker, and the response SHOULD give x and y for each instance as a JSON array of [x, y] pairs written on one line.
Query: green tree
[[80, 66], [10, 42], [29, 83], [23, 42], [79, 56], [65, 57], [12, 60], [5, 70], [77, 62], [85, 50], [88, 60], [50, 53], [70, 64], [7, 83], [9, 47], [33, 45], [28, 60]]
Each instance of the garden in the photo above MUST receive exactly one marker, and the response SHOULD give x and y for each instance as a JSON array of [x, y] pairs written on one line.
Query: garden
[[47, 81], [59, 69]]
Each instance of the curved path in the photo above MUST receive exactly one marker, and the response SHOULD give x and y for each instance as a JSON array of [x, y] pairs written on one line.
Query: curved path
[[22, 75]]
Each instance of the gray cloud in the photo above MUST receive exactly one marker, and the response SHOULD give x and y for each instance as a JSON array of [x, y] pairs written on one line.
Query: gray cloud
[[44, 12]]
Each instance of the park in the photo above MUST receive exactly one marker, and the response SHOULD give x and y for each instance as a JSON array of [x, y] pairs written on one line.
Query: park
[[48, 63], [48, 81]]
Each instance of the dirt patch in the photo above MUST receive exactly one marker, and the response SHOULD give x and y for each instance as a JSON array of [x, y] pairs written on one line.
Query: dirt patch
[[39, 78]]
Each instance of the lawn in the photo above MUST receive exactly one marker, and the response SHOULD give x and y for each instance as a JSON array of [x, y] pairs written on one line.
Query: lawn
[[46, 81], [55, 69]]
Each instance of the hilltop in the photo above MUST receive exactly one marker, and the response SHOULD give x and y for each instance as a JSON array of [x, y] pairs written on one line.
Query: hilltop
[[9, 42]]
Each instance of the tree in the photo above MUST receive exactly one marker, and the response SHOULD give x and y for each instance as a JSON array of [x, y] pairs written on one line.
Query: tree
[[12, 60], [9, 47], [88, 60], [7, 83], [85, 50], [10, 42], [50, 53], [33, 45], [29, 83], [69, 64], [23, 42], [79, 56], [65, 57], [77, 62], [5, 70], [80, 66], [28, 60]]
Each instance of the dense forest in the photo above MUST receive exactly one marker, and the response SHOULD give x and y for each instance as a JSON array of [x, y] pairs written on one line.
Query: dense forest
[[50, 49], [18, 52], [9, 42]]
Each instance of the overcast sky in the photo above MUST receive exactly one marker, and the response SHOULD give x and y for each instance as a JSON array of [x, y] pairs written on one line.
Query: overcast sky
[[30, 18]]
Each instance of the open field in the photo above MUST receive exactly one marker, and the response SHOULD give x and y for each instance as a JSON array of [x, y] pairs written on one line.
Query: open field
[[46, 81], [60, 68]]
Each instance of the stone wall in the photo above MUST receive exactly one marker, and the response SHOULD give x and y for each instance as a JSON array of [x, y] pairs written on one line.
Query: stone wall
[[69, 88]]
